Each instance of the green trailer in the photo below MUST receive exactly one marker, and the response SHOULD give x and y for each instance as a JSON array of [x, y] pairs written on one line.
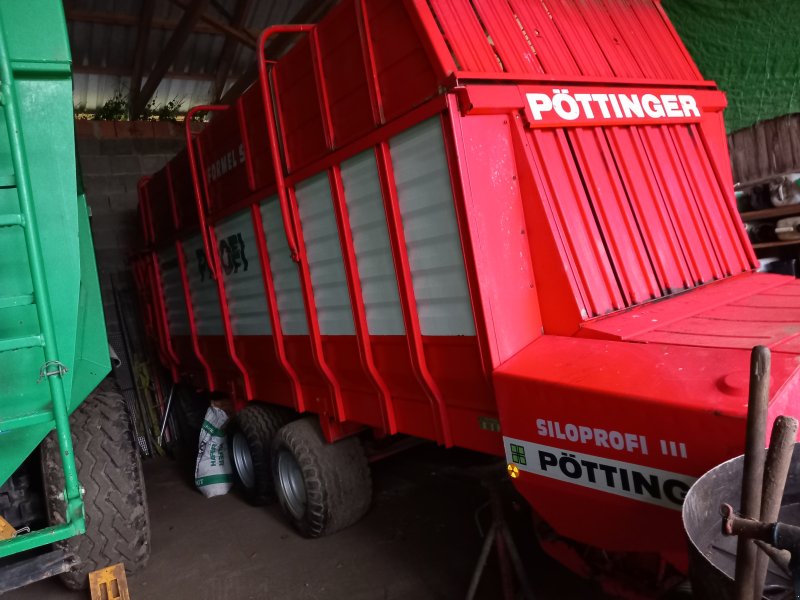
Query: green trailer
[[55, 408]]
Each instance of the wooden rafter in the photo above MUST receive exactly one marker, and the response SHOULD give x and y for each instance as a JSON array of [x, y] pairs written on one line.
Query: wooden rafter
[[167, 57], [229, 49], [125, 72], [128, 20], [241, 35], [142, 36]]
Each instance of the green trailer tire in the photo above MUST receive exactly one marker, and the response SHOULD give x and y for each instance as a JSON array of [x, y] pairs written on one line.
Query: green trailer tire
[[110, 471]]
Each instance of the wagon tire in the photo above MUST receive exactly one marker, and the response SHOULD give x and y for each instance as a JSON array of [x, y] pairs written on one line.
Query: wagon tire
[[110, 471], [321, 487], [250, 444]]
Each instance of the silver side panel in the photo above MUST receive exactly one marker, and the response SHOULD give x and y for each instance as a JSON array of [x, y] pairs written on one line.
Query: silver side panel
[[203, 289], [431, 230], [362, 193], [241, 272], [285, 275], [324, 253], [174, 300]]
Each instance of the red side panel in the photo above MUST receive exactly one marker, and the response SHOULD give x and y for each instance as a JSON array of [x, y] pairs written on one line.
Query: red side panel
[[299, 106], [222, 155], [360, 398], [158, 198], [501, 241], [259, 157], [182, 191], [344, 73], [405, 75]]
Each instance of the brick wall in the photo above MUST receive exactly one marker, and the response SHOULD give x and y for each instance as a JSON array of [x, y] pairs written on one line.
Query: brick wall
[[113, 157]]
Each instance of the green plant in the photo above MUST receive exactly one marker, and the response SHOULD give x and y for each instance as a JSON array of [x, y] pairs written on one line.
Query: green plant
[[165, 112], [114, 109]]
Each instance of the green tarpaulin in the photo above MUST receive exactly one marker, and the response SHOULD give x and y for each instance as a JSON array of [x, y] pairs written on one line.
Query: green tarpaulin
[[751, 48]]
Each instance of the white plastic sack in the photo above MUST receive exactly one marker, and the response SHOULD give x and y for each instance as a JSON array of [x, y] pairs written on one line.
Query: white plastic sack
[[213, 475]]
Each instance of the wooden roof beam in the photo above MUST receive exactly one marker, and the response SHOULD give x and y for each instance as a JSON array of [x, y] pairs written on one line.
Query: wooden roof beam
[[228, 52], [143, 35], [127, 20], [167, 57], [237, 33]]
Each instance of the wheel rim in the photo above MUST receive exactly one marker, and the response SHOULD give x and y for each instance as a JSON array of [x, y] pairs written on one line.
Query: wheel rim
[[243, 461], [291, 485]]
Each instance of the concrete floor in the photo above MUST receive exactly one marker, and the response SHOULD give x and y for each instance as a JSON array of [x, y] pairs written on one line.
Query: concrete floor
[[420, 541]]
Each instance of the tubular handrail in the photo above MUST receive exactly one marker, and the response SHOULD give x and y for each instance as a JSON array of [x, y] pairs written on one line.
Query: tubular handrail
[[198, 195], [269, 109]]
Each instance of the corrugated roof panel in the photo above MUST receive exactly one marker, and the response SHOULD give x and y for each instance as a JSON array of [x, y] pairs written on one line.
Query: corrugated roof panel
[[103, 35]]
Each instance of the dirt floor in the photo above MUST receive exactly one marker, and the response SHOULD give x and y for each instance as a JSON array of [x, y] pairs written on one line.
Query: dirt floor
[[420, 541]]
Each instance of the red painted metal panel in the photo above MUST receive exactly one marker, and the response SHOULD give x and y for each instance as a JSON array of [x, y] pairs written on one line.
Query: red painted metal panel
[[360, 400], [494, 211], [611, 40], [710, 297], [671, 180], [714, 139], [222, 152], [738, 312], [210, 380], [405, 75], [617, 223], [424, 23], [669, 262], [575, 222], [551, 49], [267, 374], [160, 207], [386, 409], [296, 89], [296, 388], [510, 43], [240, 368], [661, 27], [343, 68], [316, 389], [638, 40], [182, 191], [465, 35], [258, 154], [337, 409], [161, 320], [143, 210], [407, 300], [721, 223], [568, 380], [579, 39]]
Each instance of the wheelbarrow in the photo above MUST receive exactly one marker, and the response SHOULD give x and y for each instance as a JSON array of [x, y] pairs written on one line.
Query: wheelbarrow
[[712, 554]]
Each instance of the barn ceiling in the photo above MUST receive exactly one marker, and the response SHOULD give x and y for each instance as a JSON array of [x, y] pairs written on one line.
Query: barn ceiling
[[189, 51]]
